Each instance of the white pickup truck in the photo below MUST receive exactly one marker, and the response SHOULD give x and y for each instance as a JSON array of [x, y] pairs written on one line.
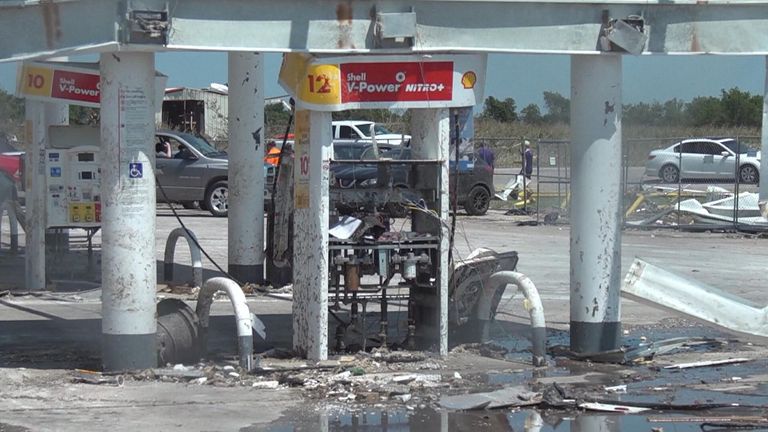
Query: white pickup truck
[[360, 131]]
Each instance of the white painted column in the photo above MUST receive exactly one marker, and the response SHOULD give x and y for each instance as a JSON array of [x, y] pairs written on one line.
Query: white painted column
[[312, 153], [430, 131], [763, 193], [129, 277], [246, 167], [596, 202], [37, 137]]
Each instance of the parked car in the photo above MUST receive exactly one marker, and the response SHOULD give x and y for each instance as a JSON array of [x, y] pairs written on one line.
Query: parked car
[[360, 131], [11, 163], [475, 182], [349, 150], [704, 158], [11, 169], [197, 173]]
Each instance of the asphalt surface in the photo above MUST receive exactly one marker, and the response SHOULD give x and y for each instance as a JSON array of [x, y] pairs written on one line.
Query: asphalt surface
[[42, 338], [731, 261]]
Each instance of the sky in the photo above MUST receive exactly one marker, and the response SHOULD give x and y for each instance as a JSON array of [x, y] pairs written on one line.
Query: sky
[[523, 77]]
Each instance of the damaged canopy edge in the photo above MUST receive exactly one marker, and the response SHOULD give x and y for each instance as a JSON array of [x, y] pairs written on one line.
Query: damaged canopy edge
[[652, 285]]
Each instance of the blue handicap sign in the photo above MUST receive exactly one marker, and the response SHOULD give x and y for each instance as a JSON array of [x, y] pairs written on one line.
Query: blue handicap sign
[[55, 171], [135, 170]]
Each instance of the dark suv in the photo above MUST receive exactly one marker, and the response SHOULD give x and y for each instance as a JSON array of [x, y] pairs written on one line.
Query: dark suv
[[475, 181]]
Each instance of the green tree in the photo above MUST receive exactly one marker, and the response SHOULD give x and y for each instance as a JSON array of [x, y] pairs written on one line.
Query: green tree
[[705, 111], [11, 114], [275, 119], [80, 115], [531, 114], [673, 112], [501, 111], [558, 108], [740, 108], [643, 113]]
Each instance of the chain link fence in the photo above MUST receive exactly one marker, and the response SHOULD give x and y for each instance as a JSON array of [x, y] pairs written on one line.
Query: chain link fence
[[693, 183], [688, 183]]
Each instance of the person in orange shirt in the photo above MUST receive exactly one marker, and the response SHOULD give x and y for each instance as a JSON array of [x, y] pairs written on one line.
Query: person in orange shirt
[[273, 154]]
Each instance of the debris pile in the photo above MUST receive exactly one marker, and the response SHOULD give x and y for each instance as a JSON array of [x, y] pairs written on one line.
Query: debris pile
[[487, 349]]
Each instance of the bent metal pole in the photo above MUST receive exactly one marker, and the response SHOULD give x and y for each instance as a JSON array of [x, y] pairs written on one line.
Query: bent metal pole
[[128, 268], [595, 202]]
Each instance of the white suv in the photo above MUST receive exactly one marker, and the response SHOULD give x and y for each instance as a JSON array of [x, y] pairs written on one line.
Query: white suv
[[360, 130]]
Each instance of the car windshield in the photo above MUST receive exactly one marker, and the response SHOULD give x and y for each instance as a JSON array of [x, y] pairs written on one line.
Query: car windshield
[[348, 152], [735, 146], [201, 145], [381, 130]]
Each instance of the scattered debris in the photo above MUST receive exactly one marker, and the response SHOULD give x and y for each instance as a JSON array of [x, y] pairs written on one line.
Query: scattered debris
[[399, 356], [419, 378], [507, 397], [265, 384], [188, 289], [551, 218], [596, 406], [617, 389], [527, 223], [641, 352], [178, 372], [723, 422], [489, 349], [93, 377], [403, 397], [706, 363], [278, 353]]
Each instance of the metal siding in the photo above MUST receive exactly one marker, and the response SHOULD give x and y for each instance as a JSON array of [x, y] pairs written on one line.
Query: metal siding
[[216, 111]]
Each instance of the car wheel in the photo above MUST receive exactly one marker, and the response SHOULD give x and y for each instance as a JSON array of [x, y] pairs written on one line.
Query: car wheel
[[749, 174], [217, 199], [189, 205], [669, 174], [478, 201]]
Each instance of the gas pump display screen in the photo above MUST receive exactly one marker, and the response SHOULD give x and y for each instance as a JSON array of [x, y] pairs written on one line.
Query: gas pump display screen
[[85, 157], [86, 175]]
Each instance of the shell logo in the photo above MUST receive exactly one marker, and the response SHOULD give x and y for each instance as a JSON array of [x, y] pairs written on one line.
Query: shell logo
[[468, 80]]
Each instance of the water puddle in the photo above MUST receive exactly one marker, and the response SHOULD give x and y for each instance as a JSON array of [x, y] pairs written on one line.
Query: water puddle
[[725, 397], [427, 420]]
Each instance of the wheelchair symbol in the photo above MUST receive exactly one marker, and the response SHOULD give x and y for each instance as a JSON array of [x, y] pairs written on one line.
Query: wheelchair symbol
[[135, 170]]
